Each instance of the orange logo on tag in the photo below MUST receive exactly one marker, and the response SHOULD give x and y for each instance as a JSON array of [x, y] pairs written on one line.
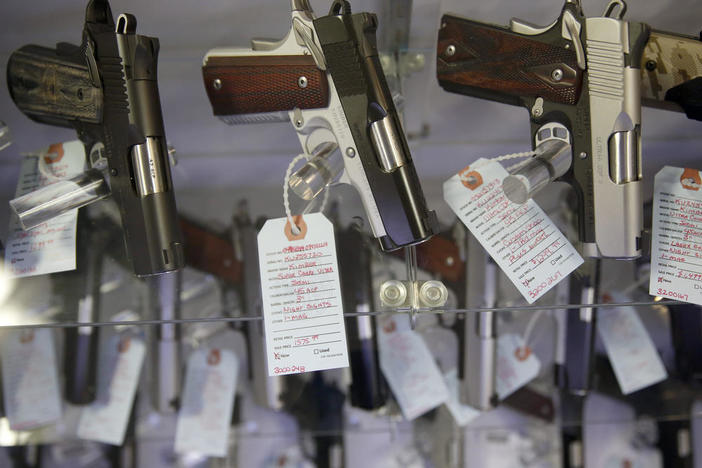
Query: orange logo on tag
[[123, 344], [470, 179], [522, 354], [55, 153], [389, 326], [690, 179], [607, 298], [26, 336], [214, 357], [301, 225]]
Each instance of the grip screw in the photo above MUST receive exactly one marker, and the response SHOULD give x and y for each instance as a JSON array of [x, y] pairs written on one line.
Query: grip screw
[[451, 50], [302, 82], [651, 65], [217, 84], [350, 152], [557, 74], [583, 155]]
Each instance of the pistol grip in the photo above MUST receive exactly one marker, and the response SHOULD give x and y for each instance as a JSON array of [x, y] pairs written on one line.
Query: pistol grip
[[251, 84], [492, 62]]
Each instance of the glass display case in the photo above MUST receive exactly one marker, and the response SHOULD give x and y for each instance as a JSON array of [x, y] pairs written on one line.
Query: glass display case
[[133, 335]]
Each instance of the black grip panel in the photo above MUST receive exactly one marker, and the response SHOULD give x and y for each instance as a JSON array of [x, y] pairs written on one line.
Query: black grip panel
[[688, 95], [80, 290], [368, 389], [349, 46], [581, 324]]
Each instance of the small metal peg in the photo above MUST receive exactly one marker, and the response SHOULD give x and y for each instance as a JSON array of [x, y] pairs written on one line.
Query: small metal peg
[[451, 50], [217, 84]]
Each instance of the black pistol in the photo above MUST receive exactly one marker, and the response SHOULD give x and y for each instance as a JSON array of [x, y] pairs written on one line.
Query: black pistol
[[106, 89]]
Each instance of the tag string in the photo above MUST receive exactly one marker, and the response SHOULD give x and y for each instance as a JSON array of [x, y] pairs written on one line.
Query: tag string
[[286, 198]]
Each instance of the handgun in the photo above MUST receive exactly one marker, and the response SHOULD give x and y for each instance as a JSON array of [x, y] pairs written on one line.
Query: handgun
[[80, 293], [667, 406], [580, 80], [325, 77], [106, 89], [368, 389], [163, 303], [233, 258], [267, 390]]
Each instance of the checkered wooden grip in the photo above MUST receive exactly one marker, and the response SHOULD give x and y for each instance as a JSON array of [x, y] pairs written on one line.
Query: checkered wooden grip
[[482, 60], [256, 84]]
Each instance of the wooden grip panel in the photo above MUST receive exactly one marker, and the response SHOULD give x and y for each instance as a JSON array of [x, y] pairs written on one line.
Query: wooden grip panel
[[210, 252], [493, 59], [255, 84]]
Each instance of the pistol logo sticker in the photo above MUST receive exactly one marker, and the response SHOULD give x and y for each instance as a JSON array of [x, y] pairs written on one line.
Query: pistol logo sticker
[[55, 153], [690, 179], [301, 225], [470, 178], [214, 357]]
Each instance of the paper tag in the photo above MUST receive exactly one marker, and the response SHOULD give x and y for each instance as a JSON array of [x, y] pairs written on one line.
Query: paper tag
[[523, 241], [516, 366], [496, 448], [208, 399], [29, 378], [462, 414], [676, 246], [50, 247], [119, 366], [409, 368], [302, 306], [631, 351]]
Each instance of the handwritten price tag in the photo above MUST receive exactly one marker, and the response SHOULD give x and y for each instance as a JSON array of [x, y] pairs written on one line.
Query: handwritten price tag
[[515, 367], [50, 247], [302, 306], [524, 242], [462, 414], [208, 399], [676, 247], [631, 351], [409, 368], [29, 378], [119, 366]]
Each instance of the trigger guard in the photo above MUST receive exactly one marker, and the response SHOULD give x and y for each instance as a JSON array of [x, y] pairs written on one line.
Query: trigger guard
[[316, 137]]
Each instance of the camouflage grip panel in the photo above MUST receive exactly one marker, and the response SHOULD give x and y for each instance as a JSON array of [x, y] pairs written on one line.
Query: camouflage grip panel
[[671, 63], [489, 61], [251, 85], [53, 86]]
